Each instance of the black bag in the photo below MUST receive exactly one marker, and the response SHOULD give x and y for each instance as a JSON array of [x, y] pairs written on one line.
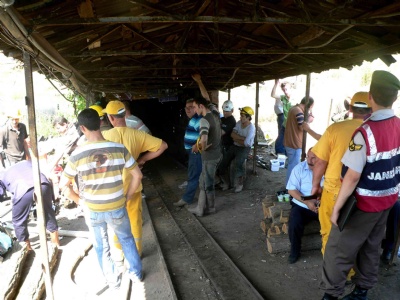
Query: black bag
[[347, 210]]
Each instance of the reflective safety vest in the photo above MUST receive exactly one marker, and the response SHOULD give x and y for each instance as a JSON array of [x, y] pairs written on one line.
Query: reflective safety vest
[[379, 184]]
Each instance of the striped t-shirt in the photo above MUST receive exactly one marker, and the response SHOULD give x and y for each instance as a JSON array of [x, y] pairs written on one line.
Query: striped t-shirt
[[192, 132], [101, 164]]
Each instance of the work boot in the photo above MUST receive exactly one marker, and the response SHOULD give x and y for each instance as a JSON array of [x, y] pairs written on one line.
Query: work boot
[[357, 294], [201, 204], [239, 185], [210, 208]]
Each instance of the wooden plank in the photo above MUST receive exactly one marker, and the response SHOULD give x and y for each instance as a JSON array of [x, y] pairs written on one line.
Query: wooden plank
[[281, 243], [11, 270]]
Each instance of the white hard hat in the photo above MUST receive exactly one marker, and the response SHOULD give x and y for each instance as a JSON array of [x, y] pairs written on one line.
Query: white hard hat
[[227, 105]]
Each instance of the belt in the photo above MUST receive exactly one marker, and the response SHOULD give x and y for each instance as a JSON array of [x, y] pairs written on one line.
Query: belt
[[279, 114]]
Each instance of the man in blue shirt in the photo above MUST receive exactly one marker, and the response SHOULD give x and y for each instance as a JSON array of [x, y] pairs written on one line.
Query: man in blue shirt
[[303, 211], [194, 165]]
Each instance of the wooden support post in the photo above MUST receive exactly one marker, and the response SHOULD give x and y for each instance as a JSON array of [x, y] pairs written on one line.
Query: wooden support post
[[30, 102], [303, 148], [256, 125]]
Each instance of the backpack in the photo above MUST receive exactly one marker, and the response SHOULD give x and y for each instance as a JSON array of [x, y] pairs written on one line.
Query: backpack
[[5, 242]]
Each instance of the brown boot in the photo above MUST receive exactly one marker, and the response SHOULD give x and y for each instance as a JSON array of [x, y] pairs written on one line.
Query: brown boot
[[54, 238]]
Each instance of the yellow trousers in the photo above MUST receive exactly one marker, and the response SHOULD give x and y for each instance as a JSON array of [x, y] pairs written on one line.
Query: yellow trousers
[[134, 208], [324, 214]]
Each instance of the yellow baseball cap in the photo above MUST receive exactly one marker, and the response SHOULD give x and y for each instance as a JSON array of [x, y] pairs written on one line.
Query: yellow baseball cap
[[360, 99], [114, 107]]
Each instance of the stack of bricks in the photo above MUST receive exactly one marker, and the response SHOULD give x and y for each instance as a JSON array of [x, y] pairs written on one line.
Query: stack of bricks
[[275, 227]]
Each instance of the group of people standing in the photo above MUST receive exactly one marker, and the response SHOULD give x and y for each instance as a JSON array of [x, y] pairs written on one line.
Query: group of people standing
[[212, 143], [358, 156]]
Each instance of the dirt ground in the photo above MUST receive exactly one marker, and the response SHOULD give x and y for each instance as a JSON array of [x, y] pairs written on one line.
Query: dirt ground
[[236, 227]]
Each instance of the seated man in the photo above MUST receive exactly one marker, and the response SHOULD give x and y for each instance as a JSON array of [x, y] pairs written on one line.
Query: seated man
[[303, 211], [18, 180], [243, 138]]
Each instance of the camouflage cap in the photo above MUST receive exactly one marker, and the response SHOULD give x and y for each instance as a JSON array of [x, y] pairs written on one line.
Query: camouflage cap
[[385, 80]]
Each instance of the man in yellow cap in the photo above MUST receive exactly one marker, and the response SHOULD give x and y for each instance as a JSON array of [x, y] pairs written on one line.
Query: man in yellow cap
[[13, 136], [370, 170], [243, 138], [137, 142], [329, 151]]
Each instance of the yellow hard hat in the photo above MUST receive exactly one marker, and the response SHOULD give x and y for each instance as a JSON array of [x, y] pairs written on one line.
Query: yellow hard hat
[[98, 108], [247, 110]]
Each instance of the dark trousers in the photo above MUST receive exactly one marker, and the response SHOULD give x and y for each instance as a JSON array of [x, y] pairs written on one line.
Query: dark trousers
[[357, 245], [299, 217], [391, 227], [279, 148], [22, 207]]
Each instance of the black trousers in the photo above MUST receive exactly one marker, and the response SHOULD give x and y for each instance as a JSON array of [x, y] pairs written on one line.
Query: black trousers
[[299, 217]]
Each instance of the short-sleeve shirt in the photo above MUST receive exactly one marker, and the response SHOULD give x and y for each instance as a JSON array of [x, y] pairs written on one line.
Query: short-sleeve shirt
[[294, 133], [136, 142], [247, 132], [136, 123], [331, 147], [101, 165], [356, 160], [286, 107], [210, 125], [13, 140], [301, 180], [18, 179], [227, 125]]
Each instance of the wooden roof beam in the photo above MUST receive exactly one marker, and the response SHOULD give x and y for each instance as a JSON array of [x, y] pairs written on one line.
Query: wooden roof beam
[[218, 19], [225, 52]]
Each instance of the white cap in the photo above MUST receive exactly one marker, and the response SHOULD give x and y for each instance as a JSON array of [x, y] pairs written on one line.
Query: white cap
[[227, 105]]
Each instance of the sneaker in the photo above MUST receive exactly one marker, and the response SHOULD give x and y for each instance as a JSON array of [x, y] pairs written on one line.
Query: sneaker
[[180, 203], [136, 279], [183, 185]]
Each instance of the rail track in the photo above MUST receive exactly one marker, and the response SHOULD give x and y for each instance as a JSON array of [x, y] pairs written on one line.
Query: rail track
[[196, 263]]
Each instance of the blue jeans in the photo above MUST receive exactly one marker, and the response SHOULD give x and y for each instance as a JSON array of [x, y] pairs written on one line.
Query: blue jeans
[[119, 222], [194, 171], [293, 156], [279, 148]]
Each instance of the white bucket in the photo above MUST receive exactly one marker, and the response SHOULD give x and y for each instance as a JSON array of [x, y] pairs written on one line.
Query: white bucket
[[282, 160], [274, 165]]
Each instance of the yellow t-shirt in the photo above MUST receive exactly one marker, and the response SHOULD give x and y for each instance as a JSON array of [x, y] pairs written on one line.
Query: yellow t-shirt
[[136, 142], [331, 148]]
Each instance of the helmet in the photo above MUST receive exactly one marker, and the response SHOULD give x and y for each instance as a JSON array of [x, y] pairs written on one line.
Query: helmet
[[247, 110], [99, 109], [14, 114], [227, 105]]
